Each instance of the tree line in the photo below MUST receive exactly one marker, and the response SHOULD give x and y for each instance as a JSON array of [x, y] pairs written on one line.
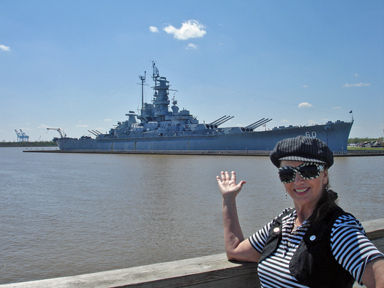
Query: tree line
[[363, 140]]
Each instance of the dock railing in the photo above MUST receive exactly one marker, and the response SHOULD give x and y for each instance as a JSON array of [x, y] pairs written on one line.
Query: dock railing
[[206, 271]]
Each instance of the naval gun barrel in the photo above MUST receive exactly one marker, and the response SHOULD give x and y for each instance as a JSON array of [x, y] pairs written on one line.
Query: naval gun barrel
[[253, 127], [224, 120], [90, 131], [217, 120], [255, 123], [95, 132], [264, 122]]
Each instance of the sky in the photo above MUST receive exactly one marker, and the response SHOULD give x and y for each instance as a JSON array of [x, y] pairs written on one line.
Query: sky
[[75, 65]]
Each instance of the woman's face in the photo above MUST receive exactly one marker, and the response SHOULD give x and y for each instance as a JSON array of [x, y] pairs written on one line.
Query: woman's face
[[305, 193]]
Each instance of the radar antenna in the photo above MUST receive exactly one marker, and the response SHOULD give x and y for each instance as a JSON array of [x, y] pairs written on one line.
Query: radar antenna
[[156, 72]]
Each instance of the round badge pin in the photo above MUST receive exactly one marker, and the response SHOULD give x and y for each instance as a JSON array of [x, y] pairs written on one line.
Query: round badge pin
[[312, 238], [276, 230]]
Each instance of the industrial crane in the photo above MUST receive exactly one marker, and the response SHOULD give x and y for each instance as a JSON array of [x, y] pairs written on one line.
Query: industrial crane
[[18, 136], [21, 136], [58, 130], [24, 137]]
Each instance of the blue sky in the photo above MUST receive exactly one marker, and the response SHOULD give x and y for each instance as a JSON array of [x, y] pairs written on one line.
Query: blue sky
[[75, 64]]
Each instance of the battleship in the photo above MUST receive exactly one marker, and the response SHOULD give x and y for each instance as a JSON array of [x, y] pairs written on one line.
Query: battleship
[[156, 128]]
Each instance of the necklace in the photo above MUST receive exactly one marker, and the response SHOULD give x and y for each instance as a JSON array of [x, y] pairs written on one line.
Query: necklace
[[295, 227]]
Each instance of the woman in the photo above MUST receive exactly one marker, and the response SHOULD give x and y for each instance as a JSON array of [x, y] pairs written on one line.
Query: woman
[[316, 244]]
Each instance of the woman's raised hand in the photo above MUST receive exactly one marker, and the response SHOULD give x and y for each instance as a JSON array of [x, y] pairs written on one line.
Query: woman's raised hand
[[227, 184]]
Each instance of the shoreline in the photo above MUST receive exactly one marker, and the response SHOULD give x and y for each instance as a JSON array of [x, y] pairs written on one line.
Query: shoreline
[[28, 144], [350, 153]]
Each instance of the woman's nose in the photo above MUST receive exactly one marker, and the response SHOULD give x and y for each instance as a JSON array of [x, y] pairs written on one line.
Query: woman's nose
[[298, 178]]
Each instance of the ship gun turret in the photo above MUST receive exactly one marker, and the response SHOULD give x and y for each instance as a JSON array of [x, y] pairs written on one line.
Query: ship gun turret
[[256, 124], [219, 121]]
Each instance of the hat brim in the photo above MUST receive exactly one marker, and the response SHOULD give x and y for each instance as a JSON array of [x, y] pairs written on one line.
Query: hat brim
[[300, 158]]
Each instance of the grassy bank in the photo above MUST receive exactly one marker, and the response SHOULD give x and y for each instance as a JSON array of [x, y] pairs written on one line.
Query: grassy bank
[[365, 149]]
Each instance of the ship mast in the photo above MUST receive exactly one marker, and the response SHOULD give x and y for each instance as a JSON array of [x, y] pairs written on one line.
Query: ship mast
[[142, 78]]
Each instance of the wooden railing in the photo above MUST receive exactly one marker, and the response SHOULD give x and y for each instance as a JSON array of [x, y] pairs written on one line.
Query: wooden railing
[[207, 271]]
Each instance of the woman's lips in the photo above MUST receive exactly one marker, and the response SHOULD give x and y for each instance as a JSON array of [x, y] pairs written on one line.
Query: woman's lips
[[300, 191]]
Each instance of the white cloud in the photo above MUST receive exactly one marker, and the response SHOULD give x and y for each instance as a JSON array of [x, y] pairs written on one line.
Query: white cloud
[[284, 121], [347, 85], [83, 126], [4, 48], [356, 75], [153, 29], [305, 86], [305, 105], [189, 29], [108, 120], [191, 46]]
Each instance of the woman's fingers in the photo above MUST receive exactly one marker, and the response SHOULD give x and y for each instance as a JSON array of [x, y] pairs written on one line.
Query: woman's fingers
[[233, 176], [224, 175], [228, 180]]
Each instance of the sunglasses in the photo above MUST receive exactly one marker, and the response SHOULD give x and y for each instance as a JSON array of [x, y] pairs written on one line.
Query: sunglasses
[[307, 171]]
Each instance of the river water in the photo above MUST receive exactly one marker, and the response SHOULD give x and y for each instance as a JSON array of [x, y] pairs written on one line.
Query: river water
[[69, 214]]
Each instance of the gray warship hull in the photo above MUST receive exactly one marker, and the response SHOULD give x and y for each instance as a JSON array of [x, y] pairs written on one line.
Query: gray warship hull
[[335, 134], [165, 130]]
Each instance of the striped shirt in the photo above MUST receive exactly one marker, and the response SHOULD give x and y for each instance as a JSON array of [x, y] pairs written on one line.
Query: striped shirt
[[349, 245]]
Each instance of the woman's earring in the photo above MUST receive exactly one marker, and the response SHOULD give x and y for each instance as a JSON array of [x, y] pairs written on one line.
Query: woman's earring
[[286, 196]]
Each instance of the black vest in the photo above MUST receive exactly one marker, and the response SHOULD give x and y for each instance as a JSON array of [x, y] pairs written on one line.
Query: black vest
[[312, 264]]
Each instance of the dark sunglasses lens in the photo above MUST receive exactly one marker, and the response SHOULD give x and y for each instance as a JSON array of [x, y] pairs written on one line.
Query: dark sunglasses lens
[[286, 175], [309, 172]]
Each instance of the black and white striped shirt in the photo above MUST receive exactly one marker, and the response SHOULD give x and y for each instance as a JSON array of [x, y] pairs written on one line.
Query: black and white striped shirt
[[349, 245]]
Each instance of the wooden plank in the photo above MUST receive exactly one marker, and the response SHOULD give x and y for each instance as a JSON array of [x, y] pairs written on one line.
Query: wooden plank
[[244, 274], [374, 228]]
